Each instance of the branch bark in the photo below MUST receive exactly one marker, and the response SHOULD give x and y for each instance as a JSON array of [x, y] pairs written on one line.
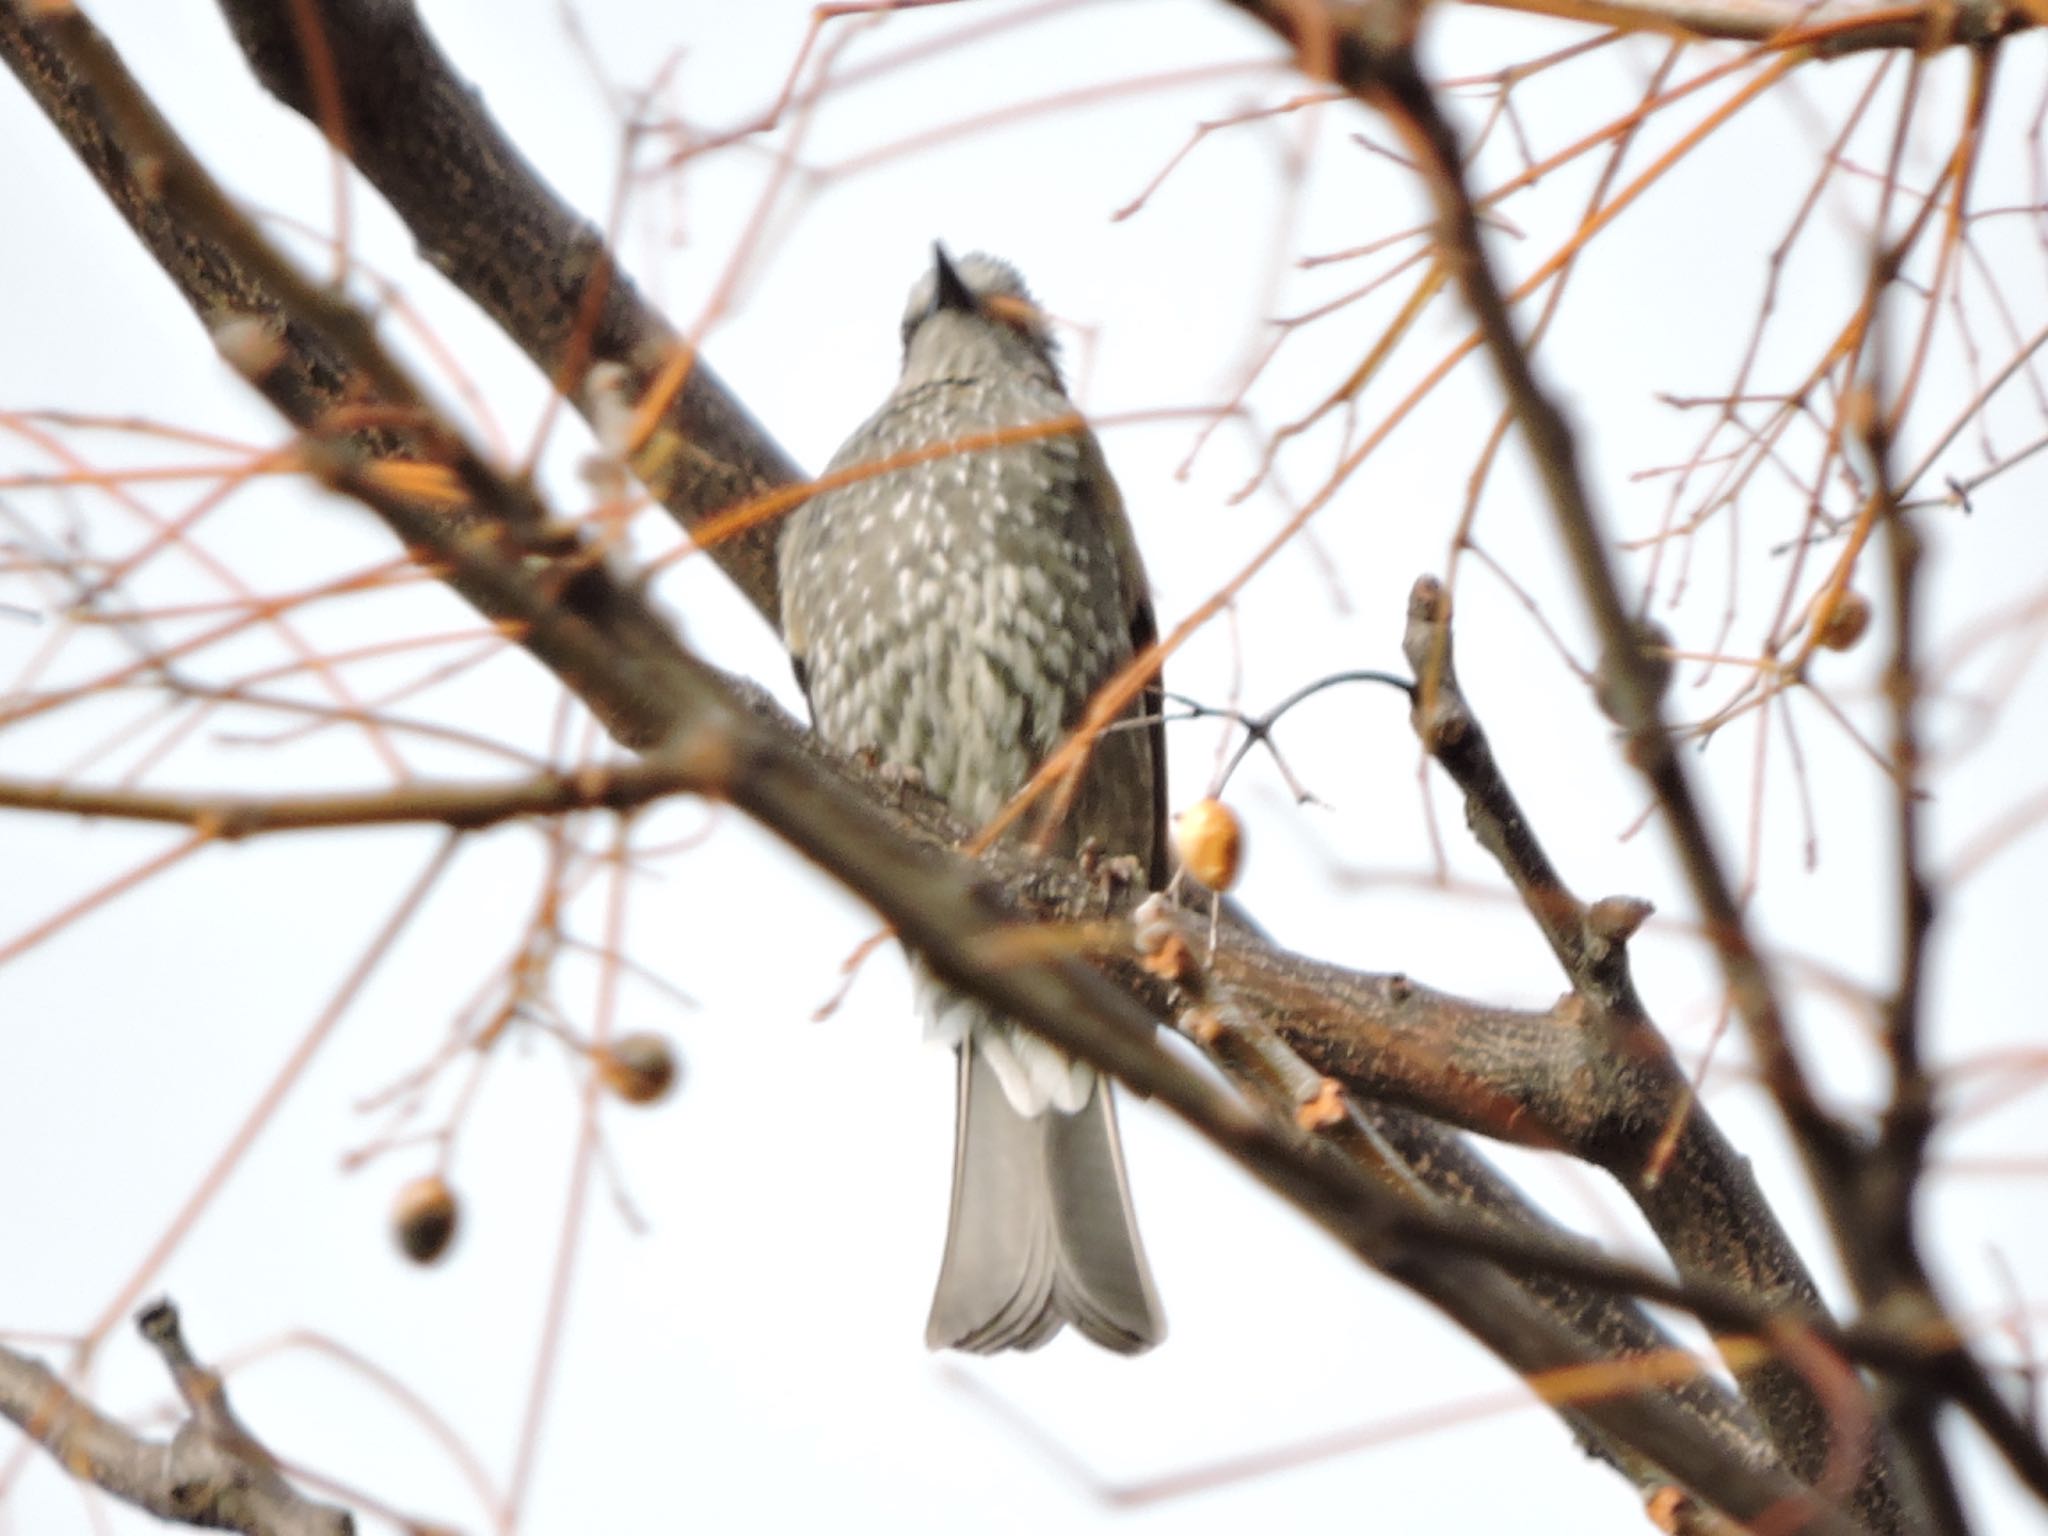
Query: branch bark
[[211, 1473], [422, 136]]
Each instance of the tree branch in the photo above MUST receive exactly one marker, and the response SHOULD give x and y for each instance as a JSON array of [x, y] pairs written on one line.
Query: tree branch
[[422, 136], [1631, 1109], [1827, 30], [212, 1472]]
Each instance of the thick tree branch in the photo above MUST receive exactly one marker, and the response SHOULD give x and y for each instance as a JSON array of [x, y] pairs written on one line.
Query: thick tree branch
[[1634, 1112], [421, 134]]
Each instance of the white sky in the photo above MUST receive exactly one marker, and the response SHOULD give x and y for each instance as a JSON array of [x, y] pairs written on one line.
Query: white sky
[[753, 1359]]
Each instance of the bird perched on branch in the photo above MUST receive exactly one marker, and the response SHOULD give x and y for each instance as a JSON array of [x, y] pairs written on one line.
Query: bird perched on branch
[[955, 611]]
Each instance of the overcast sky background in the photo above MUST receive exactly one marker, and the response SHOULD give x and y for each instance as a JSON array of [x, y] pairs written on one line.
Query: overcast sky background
[[753, 1358]]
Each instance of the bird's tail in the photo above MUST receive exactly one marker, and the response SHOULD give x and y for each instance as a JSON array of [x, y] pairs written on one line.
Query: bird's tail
[[1041, 1231]]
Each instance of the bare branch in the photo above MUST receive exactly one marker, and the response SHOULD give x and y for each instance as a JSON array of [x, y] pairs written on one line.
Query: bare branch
[[1624, 1102], [461, 807], [211, 1473], [1828, 30]]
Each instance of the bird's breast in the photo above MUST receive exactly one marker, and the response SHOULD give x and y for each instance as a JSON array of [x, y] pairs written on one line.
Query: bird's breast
[[955, 612]]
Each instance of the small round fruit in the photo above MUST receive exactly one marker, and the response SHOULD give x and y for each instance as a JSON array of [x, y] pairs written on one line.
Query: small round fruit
[[640, 1068], [1210, 843], [424, 1218], [1844, 623]]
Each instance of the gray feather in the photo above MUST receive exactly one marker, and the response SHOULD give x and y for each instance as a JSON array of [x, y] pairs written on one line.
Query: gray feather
[[1042, 1231]]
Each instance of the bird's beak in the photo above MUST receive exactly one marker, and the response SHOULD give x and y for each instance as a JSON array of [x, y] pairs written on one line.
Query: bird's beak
[[951, 292]]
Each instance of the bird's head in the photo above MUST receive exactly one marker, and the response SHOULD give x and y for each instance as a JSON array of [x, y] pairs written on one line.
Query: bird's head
[[971, 317]]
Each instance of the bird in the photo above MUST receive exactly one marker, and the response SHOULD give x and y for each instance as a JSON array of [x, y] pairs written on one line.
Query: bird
[[953, 612]]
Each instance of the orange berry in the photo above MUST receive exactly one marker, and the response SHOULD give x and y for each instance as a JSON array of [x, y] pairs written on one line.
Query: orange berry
[[1210, 843]]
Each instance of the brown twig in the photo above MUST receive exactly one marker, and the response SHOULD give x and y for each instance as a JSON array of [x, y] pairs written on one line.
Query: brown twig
[[459, 807], [1830, 29]]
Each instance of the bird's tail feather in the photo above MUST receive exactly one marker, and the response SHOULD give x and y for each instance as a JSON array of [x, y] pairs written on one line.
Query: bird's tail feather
[[1042, 1231]]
